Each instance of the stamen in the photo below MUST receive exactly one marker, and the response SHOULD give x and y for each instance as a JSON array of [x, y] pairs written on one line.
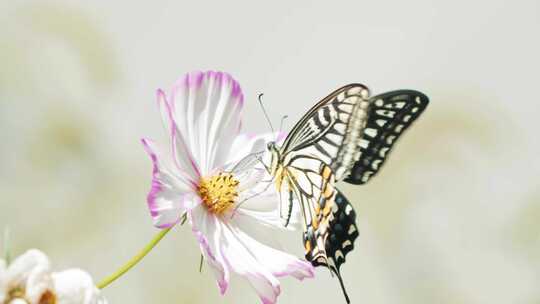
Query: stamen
[[219, 192]]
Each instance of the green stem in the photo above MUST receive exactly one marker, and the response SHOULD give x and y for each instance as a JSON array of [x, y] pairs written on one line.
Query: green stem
[[136, 259]]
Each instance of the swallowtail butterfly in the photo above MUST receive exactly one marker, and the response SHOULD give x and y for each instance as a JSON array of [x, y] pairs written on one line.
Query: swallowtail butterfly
[[346, 136]]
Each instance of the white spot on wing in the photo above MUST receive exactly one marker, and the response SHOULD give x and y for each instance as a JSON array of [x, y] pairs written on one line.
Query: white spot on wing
[[364, 143], [386, 113], [346, 244], [371, 132], [348, 209], [396, 105], [375, 164], [339, 254]]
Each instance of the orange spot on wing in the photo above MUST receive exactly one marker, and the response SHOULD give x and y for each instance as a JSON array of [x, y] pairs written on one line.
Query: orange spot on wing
[[307, 245], [315, 223]]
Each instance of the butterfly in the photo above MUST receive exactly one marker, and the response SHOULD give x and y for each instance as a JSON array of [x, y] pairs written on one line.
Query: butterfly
[[347, 136]]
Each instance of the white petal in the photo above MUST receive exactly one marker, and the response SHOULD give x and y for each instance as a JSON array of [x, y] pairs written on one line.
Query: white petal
[[170, 194], [75, 286], [3, 282], [182, 154], [262, 204], [207, 230], [246, 144], [39, 281], [268, 218], [207, 108], [259, 263], [22, 267]]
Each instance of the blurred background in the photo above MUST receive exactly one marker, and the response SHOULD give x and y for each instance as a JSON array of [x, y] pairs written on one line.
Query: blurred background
[[454, 217]]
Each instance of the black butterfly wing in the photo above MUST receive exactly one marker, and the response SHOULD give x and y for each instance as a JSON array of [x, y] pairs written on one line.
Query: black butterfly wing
[[389, 115], [338, 239]]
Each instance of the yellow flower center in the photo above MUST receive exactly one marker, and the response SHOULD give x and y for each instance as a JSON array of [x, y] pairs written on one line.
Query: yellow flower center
[[219, 192]]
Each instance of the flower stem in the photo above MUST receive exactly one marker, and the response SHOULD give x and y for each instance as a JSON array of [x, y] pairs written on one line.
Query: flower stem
[[136, 259]]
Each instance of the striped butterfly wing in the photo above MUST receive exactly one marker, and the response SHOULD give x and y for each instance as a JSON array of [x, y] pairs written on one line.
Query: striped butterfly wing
[[322, 133], [388, 116], [329, 218], [332, 129]]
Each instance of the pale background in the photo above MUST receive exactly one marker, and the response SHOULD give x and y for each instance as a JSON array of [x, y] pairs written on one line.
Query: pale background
[[454, 217]]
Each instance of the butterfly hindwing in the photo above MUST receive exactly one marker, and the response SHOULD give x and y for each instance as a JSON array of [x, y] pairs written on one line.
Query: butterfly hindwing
[[389, 115], [338, 238]]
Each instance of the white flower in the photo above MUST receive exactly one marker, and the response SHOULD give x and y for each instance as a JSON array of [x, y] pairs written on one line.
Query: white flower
[[202, 177], [29, 280]]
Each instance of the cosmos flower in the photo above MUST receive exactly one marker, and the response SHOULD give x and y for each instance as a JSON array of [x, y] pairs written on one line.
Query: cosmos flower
[[205, 174], [29, 280]]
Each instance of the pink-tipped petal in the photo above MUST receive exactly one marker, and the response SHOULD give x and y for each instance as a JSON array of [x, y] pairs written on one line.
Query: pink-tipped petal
[[182, 154], [260, 264], [207, 229], [207, 108], [244, 262], [277, 262], [170, 194]]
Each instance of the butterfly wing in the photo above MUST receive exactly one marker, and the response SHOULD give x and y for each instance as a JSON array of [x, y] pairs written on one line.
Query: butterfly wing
[[329, 219], [389, 115], [331, 130], [339, 239]]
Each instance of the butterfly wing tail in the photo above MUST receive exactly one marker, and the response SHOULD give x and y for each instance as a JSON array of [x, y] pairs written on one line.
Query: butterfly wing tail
[[338, 238]]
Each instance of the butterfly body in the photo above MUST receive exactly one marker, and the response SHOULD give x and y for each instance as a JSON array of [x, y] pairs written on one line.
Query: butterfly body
[[345, 137]]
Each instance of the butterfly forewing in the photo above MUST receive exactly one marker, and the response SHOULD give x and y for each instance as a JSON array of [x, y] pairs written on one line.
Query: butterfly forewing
[[332, 129], [389, 115]]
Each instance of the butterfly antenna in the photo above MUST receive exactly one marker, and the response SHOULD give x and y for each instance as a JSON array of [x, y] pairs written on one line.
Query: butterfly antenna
[[281, 123], [264, 112]]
